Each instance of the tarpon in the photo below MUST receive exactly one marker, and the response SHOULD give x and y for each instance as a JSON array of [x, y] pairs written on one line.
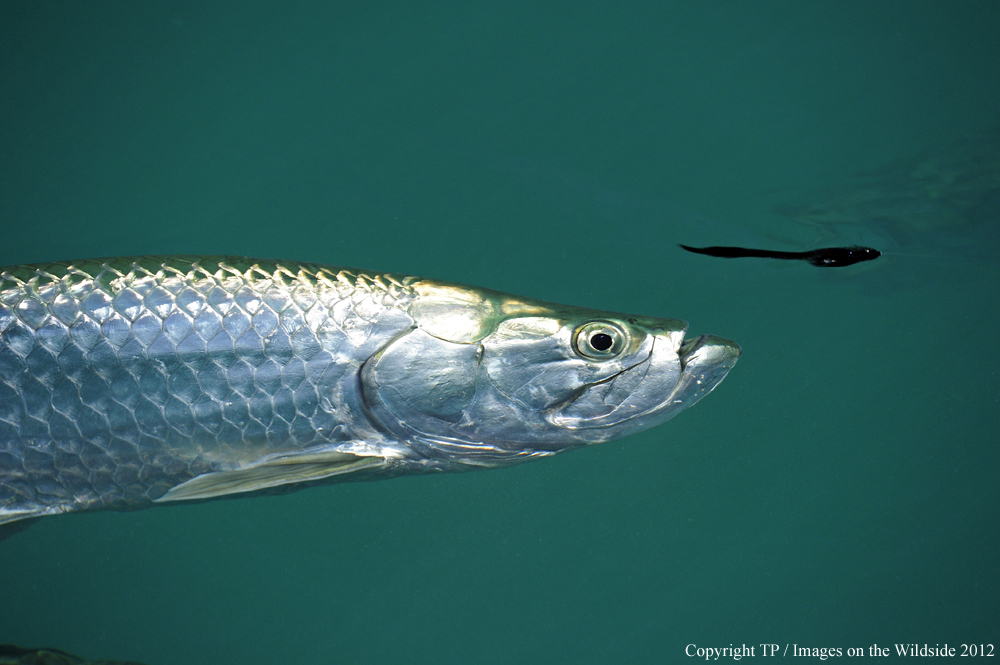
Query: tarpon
[[131, 382]]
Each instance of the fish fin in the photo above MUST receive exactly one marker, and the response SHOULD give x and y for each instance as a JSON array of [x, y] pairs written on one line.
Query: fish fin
[[45, 656], [8, 515], [10, 527], [274, 471]]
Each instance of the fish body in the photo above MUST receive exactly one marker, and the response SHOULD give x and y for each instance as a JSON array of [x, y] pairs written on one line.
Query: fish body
[[827, 257], [129, 382]]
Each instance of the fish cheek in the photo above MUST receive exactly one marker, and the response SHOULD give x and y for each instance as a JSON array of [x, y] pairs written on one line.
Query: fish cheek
[[424, 382], [540, 372]]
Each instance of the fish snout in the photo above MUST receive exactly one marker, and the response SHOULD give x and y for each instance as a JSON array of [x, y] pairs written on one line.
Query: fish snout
[[705, 361]]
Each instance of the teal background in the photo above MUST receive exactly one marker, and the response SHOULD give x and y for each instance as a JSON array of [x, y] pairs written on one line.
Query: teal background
[[839, 489]]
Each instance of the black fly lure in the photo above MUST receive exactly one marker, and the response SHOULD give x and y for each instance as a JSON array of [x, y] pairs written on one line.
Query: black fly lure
[[828, 257]]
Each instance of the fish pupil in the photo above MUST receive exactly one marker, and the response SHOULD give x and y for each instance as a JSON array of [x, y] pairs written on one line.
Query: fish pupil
[[601, 341]]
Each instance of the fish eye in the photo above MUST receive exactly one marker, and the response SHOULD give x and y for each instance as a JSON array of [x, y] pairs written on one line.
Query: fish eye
[[599, 340]]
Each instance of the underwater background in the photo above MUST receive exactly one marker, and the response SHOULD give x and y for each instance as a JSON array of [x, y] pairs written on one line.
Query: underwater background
[[839, 489]]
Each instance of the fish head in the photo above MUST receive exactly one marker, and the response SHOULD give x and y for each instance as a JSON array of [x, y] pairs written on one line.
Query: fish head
[[484, 378]]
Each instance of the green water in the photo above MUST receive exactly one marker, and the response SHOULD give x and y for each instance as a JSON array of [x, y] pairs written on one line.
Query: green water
[[839, 489]]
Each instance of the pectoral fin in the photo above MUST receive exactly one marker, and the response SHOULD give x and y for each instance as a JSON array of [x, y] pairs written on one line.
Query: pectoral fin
[[270, 472], [8, 527]]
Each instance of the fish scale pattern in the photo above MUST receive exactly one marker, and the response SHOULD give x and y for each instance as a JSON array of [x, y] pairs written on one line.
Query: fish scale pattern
[[122, 378]]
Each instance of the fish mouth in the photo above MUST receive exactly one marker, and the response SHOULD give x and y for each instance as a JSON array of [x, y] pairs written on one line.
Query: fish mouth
[[709, 350], [705, 361], [676, 375]]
